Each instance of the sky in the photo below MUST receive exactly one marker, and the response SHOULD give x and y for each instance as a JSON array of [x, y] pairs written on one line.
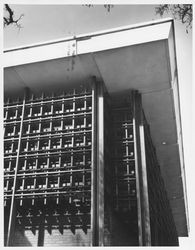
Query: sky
[[50, 22]]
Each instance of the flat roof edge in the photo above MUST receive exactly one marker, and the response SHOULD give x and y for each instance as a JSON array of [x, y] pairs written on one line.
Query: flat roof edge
[[93, 34]]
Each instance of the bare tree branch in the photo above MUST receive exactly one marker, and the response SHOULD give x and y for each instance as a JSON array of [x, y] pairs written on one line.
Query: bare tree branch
[[181, 12], [10, 19]]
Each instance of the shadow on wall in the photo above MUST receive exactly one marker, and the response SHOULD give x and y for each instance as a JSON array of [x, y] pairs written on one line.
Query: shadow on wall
[[80, 241], [22, 240], [27, 237]]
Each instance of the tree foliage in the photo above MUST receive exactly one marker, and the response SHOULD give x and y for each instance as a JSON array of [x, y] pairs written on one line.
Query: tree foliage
[[181, 12], [106, 6]]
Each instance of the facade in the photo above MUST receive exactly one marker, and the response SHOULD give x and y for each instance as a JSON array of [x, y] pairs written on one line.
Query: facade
[[87, 161]]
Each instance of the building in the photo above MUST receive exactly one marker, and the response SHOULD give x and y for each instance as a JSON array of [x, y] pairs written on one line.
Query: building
[[93, 142]]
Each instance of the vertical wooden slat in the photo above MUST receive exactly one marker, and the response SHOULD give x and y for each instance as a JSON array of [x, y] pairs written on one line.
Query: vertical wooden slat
[[141, 174]]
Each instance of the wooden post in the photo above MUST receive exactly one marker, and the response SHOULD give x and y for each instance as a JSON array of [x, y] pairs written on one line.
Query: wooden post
[[141, 173]]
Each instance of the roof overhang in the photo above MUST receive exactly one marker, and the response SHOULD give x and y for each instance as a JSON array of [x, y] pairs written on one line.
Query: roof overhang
[[138, 57]]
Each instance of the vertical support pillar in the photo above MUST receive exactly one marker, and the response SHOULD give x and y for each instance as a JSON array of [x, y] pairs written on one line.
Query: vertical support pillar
[[97, 220], [100, 163], [141, 173], [12, 216], [41, 232], [94, 219]]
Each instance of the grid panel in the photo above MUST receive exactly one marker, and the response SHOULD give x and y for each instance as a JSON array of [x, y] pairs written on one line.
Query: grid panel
[[54, 169], [124, 161], [123, 164]]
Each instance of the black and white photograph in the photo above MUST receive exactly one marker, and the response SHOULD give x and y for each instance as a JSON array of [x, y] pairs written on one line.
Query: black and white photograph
[[97, 107]]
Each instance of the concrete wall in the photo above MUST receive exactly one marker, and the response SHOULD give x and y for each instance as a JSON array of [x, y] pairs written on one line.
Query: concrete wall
[[52, 238]]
